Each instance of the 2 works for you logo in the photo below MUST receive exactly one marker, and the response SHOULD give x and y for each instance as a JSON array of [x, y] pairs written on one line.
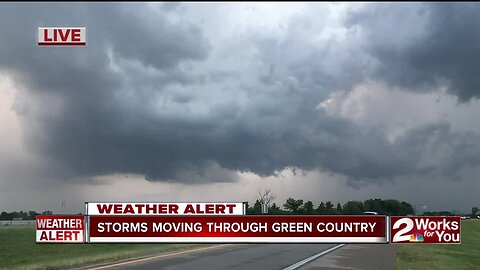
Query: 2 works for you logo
[[62, 36], [431, 230]]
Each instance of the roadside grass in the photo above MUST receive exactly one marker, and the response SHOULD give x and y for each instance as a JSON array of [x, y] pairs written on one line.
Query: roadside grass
[[18, 250], [439, 257]]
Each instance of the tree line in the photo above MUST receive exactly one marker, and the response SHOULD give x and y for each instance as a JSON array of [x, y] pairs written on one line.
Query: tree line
[[30, 215], [300, 207], [294, 206], [474, 213]]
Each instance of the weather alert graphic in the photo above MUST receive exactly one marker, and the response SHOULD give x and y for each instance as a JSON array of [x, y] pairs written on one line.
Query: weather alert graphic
[[425, 230]]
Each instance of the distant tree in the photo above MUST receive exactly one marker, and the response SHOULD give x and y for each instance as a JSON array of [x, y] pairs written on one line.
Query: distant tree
[[329, 210], [339, 209], [32, 215], [474, 211], [275, 210], [406, 209], [266, 196], [438, 213], [14, 214], [256, 209], [353, 208], [293, 205], [392, 207], [23, 215], [308, 208], [388, 207], [321, 209], [299, 207], [374, 205], [47, 213]]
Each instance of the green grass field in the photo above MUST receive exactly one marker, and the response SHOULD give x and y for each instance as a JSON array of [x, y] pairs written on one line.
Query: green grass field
[[18, 250], [438, 257]]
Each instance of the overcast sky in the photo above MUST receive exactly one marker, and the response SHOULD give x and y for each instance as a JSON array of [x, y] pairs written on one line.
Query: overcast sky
[[211, 102]]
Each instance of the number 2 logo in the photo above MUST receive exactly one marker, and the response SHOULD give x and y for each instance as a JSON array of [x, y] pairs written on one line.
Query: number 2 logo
[[400, 235]]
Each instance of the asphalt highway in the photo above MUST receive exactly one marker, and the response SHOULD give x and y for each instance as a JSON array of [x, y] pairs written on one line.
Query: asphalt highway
[[237, 257]]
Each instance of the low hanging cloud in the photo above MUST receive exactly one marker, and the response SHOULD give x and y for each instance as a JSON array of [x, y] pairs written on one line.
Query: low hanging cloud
[[422, 46], [152, 95]]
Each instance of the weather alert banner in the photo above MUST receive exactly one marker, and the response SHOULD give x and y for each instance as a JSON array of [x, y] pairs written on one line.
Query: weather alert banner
[[60, 229], [237, 229], [427, 230], [225, 222], [138, 208]]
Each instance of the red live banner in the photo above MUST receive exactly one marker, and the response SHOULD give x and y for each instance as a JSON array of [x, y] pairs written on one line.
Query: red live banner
[[237, 229], [425, 229]]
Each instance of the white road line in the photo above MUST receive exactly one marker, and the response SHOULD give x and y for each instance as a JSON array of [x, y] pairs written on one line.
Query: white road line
[[156, 257], [311, 258]]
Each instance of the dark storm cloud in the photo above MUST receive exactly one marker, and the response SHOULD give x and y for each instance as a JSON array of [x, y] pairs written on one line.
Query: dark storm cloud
[[424, 46], [134, 101], [92, 125]]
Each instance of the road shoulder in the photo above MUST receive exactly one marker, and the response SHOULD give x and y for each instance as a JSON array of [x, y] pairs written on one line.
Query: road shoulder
[[134, 260]]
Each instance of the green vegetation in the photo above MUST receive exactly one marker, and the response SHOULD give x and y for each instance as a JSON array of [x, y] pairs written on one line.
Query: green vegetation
[[299, 207], [438, 257], [24, 215], [19, 251]]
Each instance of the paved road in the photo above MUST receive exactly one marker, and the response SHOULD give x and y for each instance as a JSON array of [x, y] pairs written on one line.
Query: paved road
[[357, 257], [248, 257]]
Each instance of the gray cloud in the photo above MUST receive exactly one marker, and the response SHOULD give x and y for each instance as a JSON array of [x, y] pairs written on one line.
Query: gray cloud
[[151, 95], [423, 46]]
